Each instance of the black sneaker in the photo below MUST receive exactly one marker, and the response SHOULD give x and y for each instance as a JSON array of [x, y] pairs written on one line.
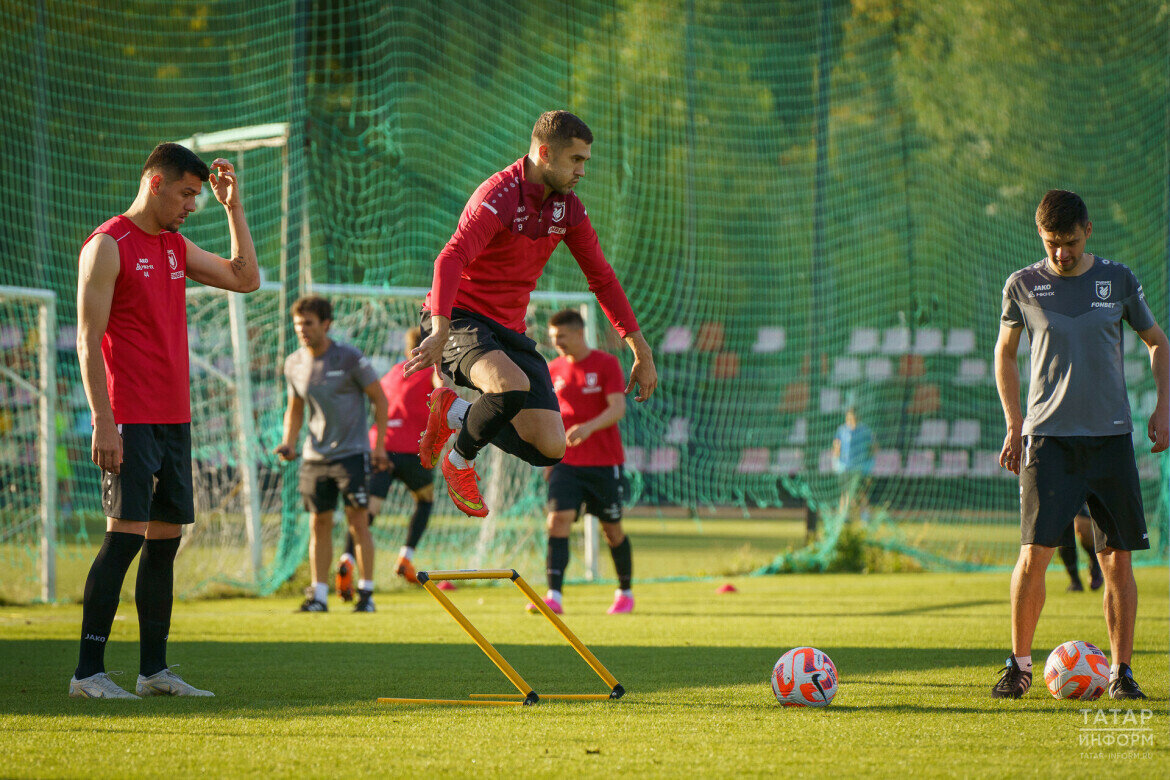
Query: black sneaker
[[1096, 580], [312, 605], [1075, 586], [1123, 686], [365, 601], [1014, 683]]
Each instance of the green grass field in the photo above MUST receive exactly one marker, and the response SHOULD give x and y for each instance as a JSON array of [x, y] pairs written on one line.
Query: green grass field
[[295, 694]]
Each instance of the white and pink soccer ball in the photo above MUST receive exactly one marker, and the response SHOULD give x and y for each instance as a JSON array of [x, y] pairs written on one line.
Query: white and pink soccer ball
[[1076, 670], [804, 677]]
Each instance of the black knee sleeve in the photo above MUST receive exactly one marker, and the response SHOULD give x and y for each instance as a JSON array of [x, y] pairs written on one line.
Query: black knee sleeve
[[487, 416]]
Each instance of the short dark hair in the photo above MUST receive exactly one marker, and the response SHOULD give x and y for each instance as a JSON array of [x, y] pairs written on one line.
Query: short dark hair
[[559, 128], [313, 304], [412, 337], [173, 160], [566, 317], [1061, 212]]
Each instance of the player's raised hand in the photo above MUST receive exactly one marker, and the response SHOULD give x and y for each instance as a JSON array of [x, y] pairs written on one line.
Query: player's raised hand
[[1159, 429], [1009, 456], [223, 183]]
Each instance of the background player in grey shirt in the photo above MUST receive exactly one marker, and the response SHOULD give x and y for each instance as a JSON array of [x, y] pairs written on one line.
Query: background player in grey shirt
[[334, 380], [1075, 445]]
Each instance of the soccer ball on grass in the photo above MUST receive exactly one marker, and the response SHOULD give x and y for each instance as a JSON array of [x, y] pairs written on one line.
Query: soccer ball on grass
[[1076, 670], [804, 677]]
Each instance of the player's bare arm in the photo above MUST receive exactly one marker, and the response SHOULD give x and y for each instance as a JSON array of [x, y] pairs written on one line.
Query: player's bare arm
[[373, 391], [99, 265], [1007, 381], [241, 273], [294, 416], [1158, 428], [643, 374], [429, 352], [615, 410]]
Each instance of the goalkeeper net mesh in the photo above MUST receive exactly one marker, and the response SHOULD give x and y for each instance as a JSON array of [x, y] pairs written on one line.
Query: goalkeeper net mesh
[[812, 206]]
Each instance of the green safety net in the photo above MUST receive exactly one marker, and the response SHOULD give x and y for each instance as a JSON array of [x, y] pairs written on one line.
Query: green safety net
[[812, 206]]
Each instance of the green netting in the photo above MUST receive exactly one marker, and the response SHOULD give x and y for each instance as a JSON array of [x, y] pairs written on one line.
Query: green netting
[[811, 205]]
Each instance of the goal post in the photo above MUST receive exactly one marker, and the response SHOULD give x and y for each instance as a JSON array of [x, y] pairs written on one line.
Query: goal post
[[40, 383]]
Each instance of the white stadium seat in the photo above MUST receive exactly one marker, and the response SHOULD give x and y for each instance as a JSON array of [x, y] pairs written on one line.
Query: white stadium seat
[[863, 341], [830, 399], [971, 371], [960, 341], [919, 463], [769, 340], [753, 460], [887, 463], [799, 433], [965, 433], [928, 341], [932, 433], [878, 369], [953, 463], [677, 339], [846, 370], [789, 460], [896, 341]]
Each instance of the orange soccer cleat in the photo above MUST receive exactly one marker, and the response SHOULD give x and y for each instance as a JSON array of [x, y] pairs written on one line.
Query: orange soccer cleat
[[405, 569], [438, 431], [462, 487]]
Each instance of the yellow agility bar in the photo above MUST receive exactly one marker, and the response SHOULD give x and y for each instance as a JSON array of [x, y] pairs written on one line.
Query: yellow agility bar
[[526, 694]]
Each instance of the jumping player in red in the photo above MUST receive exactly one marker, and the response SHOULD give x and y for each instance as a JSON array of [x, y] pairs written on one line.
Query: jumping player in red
[[473, 317], [132, 346], [589, 387]]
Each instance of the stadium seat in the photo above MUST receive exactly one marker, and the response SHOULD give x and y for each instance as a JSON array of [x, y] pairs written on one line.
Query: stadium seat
[[825, 461], [971, 371], [635, 458], [965, 433], [710, 337], [799, 432], [789, 460], [725, 365], [678, 431], [754, 460], [985, 463], [796, 398], [863, 341], [846, 370], [911, 366], [662, 460], [925, 400], [960, 341], [677, 339], [878, 369], [769, 340], [896, 341], [919, 463], [932, 433], [953, 463], [928, 341], [887, 463], [830, 400], [67, 338]]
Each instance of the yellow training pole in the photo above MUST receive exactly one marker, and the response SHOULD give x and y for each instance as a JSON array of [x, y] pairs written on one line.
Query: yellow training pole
[[471, 574], [581, 649], [522, 686], [472, 702], [544, 696]]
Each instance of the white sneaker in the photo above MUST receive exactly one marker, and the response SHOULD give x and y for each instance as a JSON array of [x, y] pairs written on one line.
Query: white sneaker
[[167, 683], [98, 686]]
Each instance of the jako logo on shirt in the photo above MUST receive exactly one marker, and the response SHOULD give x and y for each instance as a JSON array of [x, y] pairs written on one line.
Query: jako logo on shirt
[[1103, 289]]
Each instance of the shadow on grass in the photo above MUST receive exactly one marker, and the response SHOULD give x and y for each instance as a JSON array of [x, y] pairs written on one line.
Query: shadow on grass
[[253, 679]]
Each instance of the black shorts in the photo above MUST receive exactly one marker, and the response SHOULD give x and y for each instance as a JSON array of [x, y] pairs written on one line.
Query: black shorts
[[322, 480], [405, 468], [154, 482], [601, 489], [473, 336], [1062, 473]]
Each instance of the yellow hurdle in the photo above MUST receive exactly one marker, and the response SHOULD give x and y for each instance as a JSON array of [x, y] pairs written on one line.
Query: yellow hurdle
[[526, 695]]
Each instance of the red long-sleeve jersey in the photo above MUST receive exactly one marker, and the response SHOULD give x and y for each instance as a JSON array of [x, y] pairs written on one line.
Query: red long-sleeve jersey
[[505, 236]]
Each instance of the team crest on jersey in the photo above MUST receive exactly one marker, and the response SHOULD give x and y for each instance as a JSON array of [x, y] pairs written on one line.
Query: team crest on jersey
[[591, 378], [558, 212], [174, 261], [1103, 290]]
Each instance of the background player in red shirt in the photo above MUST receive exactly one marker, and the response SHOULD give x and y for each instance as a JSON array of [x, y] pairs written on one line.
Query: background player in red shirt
[[132, 346], [473, 317], [407, 398], [589, 387]]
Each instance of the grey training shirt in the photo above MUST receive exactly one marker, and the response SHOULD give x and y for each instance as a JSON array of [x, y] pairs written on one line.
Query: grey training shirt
[[332, 389], [1077, 383]]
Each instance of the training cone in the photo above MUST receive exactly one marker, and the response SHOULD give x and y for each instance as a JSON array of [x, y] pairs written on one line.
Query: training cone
[[726, 587], [445, 585]]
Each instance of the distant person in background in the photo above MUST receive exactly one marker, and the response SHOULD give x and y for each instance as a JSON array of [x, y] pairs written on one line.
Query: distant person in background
[[132, 346], [853, 451], [406, 419], [1083, 526], [590, 389], [334, 381]]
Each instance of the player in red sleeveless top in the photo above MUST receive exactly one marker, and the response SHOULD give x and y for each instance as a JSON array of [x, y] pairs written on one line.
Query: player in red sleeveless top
[[473, 318], [132, 346], [590, 388]]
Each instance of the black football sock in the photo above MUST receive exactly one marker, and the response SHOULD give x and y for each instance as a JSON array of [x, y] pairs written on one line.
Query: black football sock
[[1068, 554], [557, 562], [623, 563], [1094, 566], [103, 586], [486, 417], [154, 595], [418, 523], [508, 440]]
